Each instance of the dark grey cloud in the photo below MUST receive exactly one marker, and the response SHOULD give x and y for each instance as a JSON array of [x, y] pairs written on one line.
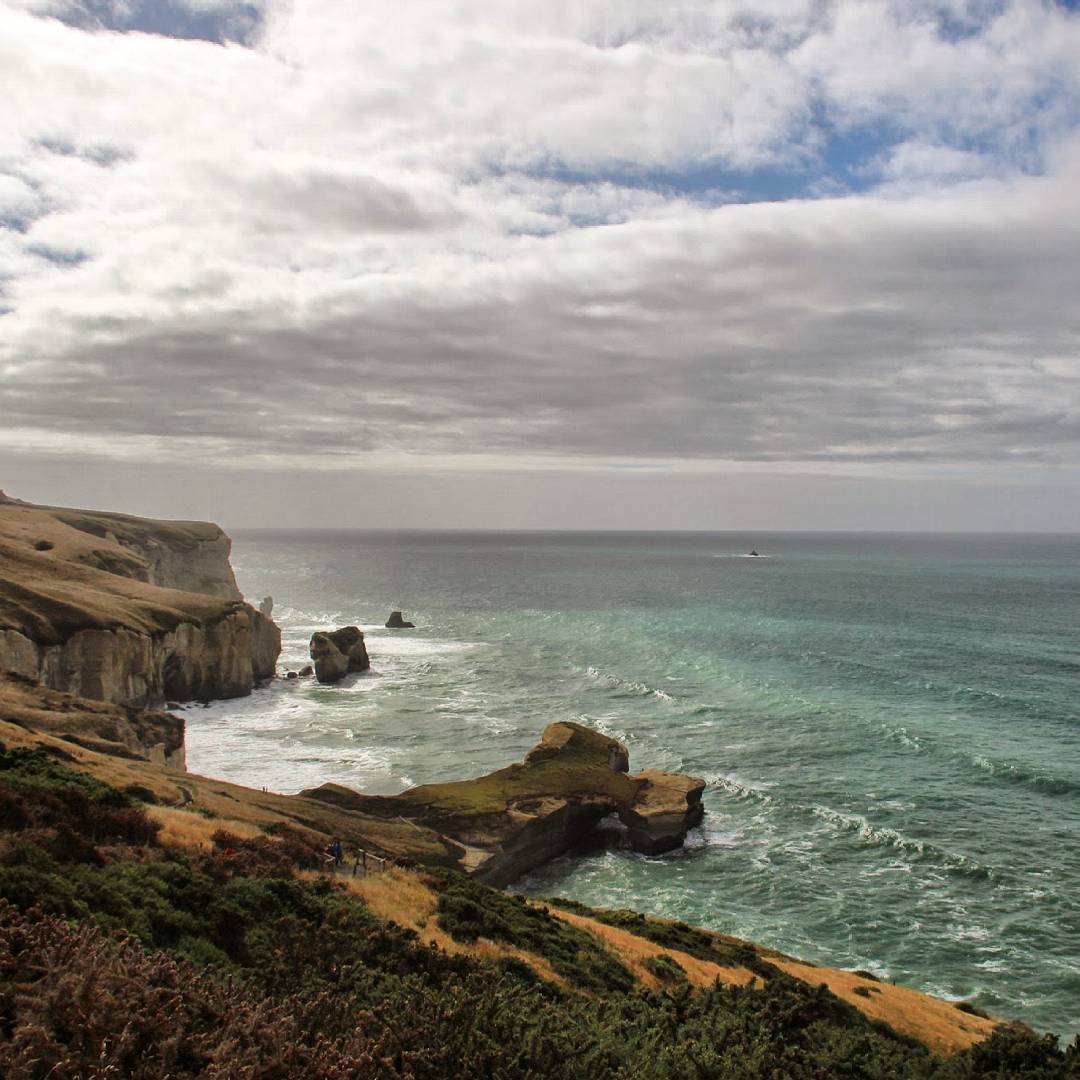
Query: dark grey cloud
[[848, 332]]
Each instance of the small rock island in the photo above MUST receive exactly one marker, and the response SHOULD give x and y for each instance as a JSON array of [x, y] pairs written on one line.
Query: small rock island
[[336, 653]]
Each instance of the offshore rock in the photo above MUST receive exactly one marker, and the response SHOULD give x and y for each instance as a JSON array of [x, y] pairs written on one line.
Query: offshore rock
[[396, 622], [338, 652], [665, 807]]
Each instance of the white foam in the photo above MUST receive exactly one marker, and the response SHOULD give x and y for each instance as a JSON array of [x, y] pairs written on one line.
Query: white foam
[[614, 682]]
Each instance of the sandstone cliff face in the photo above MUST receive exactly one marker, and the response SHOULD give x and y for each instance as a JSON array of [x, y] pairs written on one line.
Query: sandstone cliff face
[[203, 567], [125, 610], [192, 662]]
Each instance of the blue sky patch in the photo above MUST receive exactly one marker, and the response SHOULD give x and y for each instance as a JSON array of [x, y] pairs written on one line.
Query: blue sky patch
[[169, 18]]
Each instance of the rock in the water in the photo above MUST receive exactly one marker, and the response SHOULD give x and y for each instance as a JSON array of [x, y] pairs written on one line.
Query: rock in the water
[[338, 652], [396, 622], [662, 811], [307, 671], [266, 607], [291, 675]]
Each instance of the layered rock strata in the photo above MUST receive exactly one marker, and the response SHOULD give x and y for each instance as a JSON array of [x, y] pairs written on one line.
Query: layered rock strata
[[514, 820], [336, 653], [126, 610], [663, 809]]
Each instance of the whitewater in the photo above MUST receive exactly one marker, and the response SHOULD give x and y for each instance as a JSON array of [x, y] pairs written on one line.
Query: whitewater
[[887, 724]]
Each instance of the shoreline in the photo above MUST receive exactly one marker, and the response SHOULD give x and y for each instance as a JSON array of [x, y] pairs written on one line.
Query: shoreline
[[444, 852]]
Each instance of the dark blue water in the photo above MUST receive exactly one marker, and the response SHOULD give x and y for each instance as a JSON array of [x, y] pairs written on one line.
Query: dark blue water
[[888, 724]]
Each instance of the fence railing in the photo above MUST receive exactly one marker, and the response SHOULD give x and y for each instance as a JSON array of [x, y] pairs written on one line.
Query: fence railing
[[364, 864]]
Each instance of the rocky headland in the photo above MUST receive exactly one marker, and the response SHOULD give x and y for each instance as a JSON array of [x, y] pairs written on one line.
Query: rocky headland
[[126, 609], [518, 818]]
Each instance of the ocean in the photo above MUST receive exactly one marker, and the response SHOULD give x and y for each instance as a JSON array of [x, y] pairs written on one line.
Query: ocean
[[888, 724]]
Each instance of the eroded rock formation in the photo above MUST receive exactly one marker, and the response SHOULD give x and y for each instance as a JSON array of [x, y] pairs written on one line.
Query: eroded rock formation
[[665, 806], [397, 622], [514, 820], [337, 652]]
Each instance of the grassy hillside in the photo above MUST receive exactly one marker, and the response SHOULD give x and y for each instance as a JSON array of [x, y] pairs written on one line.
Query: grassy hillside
[[62, 571], [148, 931]]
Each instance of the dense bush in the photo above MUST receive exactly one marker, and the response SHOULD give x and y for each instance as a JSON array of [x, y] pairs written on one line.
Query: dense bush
[[468, 911], [147, 962], [665, 969]]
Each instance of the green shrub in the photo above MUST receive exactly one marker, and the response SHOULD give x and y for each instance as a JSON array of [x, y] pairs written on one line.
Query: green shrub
[[665, 968], [680, 936], [468, 910]]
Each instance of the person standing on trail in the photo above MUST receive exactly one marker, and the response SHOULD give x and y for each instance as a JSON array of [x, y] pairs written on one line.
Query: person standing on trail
[[336, 852]]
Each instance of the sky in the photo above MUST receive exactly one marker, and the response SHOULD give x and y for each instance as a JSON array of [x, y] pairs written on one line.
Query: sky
[[794, 264]]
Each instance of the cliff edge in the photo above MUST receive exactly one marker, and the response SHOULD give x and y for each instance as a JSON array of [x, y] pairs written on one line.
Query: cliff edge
[[124, 609]]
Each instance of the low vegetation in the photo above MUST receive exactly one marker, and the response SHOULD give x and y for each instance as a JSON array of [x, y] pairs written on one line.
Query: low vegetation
[[468, 911], [680, 936], [122, 955]]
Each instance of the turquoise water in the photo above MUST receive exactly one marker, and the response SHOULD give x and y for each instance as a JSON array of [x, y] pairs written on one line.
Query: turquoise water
[[887, 724]]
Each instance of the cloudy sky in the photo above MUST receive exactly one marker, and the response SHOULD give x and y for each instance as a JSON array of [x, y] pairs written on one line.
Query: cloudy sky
[[580, 263]]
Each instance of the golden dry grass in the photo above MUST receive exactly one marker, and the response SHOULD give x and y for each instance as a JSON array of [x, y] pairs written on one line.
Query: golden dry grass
[[87, 578], [633, 950], [400, 896], [939, 1024], [185, 828]]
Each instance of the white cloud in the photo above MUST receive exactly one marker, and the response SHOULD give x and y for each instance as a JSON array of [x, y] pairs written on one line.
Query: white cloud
[[397, 229]]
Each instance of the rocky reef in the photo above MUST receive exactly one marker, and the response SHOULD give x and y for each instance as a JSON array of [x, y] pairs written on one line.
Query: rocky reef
[[125, 609], [336, 653], [518, 818]]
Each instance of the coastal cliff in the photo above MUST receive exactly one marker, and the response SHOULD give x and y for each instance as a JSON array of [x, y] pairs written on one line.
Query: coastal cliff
[[124, 609]]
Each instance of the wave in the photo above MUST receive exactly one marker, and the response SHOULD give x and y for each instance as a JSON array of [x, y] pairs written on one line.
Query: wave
[[842, 822], [625, 687], [1040, 780], [884, 837], [740, 788]]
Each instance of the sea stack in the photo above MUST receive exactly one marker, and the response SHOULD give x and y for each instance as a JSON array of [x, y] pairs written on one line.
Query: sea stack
[[336, 653], [396, 622]]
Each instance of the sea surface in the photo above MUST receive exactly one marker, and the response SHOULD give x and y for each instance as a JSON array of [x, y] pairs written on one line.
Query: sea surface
[[888, 724]]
